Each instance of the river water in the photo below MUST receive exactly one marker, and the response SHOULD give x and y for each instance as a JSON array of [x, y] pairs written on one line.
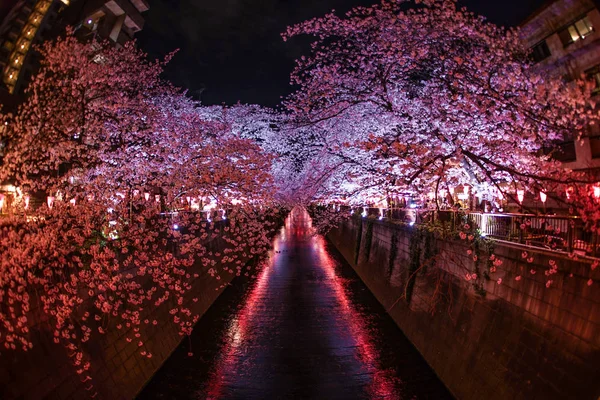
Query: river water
[[305, 328]]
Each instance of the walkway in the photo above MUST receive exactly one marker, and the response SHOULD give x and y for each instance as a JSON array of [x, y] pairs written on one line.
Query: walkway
[[307, 328]]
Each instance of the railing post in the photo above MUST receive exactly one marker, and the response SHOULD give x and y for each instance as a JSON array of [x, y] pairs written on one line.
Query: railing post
[[569, 237], [520, 222], [454, 213]]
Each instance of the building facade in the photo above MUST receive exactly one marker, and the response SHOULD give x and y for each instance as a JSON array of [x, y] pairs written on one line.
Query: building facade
[[564, 36], [31, 22]]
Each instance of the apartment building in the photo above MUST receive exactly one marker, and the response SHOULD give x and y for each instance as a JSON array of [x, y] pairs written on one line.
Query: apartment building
[[31, 22], [564, 36]]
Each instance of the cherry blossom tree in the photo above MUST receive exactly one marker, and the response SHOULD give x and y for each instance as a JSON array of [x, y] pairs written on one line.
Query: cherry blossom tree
[[138, 188], [423, 96]]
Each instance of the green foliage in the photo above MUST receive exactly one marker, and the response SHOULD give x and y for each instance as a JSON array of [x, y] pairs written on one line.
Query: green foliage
[[368, 238], [393, 252], [414, 252], [358, 241], [422, 253]]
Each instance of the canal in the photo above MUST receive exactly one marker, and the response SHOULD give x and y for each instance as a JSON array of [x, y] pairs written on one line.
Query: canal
[[305, 328]]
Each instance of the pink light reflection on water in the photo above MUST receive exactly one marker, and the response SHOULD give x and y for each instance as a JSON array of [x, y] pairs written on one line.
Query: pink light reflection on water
[[383, 382], [298, 227]]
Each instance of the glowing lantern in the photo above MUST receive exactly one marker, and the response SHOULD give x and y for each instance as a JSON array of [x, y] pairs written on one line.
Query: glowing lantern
[[147, 196], [26, 202], [520, 195], [73, 201], [543, 197], [569, 191], [1, 202], [597, 192], [50, 201]]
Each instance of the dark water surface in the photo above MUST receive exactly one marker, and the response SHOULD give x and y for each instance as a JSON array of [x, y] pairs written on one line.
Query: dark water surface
[[306, 328]]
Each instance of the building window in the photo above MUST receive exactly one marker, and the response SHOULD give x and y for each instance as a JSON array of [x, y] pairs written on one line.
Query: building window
[[593, 75], [565, 152], [8, 45], [595, 146], [540, 51], [576, 31]]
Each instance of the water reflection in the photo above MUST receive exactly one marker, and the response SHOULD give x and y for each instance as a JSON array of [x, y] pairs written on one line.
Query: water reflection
[[306, 328]]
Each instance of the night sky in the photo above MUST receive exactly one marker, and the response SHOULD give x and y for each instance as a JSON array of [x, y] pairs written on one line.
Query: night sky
[[231, 50]]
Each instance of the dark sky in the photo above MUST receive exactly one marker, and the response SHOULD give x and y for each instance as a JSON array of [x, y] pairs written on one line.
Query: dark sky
[[232, 49]]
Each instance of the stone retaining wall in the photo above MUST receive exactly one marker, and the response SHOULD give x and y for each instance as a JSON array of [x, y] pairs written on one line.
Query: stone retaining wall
[[521, 340]]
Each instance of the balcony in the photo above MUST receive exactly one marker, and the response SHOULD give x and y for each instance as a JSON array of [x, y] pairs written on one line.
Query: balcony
[[133, 19]]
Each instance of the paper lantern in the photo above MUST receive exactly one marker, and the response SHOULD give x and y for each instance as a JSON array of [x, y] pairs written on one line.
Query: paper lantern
[[520, 195]]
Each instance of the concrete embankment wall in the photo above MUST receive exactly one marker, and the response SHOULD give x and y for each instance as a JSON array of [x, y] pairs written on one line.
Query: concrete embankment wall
[[521, 340], [118, 369]]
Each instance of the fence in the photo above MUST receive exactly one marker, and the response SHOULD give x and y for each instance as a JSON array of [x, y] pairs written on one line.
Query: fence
[[561, 233]]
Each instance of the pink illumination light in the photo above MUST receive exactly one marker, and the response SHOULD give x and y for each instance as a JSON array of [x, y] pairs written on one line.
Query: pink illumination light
[[569, 192], [520, 195]]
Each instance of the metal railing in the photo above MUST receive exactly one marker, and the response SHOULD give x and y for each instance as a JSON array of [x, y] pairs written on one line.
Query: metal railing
[[552, 232]]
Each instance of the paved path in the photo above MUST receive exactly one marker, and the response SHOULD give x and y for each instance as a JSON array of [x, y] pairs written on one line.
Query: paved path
[[307, 328]]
